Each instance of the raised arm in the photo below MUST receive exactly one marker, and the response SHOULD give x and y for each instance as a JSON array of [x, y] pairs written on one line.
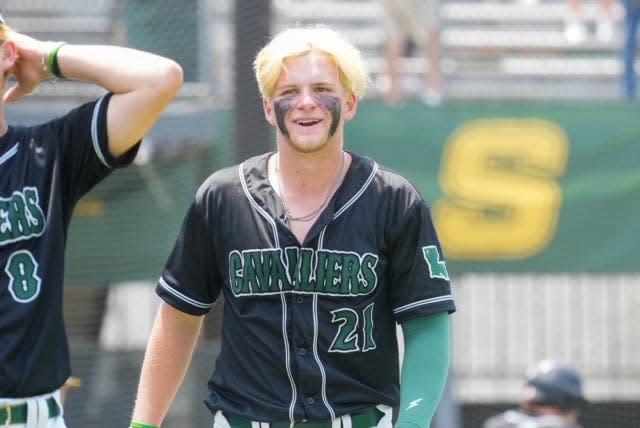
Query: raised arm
[[143, 83]]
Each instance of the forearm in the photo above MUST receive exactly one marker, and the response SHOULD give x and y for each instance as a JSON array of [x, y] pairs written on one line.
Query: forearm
[[116, 69], [425, 368], [169, 352]]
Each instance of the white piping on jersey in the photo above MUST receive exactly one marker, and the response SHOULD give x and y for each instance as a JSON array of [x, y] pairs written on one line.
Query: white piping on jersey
[[10, 153], [183, 297], [359, 193], [337, 214], [94, 133], [323, 390], [276, 238], [423, 303], [287, 358]]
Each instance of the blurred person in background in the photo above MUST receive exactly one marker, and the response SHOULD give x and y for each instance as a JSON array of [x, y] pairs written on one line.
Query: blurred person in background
[[631, 18], [575, 29], [553, 399], [46, 169], [415, 21]]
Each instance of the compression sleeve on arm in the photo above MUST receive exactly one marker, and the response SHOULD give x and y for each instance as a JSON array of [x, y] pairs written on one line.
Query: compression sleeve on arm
[[425, 367]]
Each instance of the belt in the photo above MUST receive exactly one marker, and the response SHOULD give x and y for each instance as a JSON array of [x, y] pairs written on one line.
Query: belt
[[17, 414], [368, 418]]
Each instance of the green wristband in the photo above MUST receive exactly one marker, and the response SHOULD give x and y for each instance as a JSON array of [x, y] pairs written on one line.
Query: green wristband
[[135, 424], [52, 61]]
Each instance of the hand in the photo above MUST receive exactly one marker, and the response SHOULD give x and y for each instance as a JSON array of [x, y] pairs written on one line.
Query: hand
[[30, 66]]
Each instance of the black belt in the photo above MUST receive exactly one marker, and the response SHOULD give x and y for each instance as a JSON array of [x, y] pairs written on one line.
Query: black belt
[[366, 419], [17, 414]]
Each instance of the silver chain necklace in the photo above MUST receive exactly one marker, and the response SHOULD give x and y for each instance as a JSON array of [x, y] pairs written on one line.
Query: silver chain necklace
[[288, 214]]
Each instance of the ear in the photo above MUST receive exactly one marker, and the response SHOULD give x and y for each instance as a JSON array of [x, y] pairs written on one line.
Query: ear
[[9, 52], [267, 106], [351, 107]]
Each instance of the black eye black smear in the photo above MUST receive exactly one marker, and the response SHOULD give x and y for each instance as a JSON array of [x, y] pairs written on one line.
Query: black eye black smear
[[283, 105]]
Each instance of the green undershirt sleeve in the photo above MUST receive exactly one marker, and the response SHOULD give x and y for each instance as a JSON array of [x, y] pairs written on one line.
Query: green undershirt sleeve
[[425, 367]]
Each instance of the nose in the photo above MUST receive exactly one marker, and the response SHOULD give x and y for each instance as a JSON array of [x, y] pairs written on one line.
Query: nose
[[307, 98]]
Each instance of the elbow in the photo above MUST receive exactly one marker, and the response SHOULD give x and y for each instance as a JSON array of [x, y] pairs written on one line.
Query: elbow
[[173, 78], [166, 81]]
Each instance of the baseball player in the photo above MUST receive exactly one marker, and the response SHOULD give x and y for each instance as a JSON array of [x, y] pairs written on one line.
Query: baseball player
[[318, 253], [553, 399], [45, 169]]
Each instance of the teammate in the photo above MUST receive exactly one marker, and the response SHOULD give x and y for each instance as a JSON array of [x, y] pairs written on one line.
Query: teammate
[[553, 399], [45, 170], [318, 252]]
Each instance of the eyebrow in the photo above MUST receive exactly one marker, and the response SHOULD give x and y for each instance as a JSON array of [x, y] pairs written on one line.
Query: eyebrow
[[294, 85]]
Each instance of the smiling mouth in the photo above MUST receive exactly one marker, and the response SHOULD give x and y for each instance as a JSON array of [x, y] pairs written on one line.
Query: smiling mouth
[[307, 122]]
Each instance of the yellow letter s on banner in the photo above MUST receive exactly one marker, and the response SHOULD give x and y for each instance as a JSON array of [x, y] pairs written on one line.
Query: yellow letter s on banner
[[502, 198]]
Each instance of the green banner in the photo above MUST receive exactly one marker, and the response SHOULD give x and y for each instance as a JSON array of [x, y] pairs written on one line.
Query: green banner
[[518, 187]]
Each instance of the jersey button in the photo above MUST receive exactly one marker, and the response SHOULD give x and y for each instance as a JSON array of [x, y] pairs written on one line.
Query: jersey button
[[299, 299], [310, 400], [302, 351]]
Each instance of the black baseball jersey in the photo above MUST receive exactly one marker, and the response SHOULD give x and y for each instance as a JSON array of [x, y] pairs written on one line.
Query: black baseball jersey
[[520, 419], [308, 329], [45, 170]]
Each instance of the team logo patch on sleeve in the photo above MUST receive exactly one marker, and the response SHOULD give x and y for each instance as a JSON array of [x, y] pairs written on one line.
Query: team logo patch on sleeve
[[437, 266]]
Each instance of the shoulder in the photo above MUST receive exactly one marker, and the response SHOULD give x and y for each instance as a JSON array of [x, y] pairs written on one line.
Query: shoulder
[[92, 112], [40, 140], [230, 181], [389, 187], [85, 116]]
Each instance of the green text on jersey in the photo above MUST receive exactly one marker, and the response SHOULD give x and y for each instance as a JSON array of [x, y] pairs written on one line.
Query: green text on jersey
[[272, 271]]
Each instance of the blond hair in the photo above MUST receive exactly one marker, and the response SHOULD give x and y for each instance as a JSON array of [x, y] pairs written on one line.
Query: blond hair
[[4, 31], [269, 62]]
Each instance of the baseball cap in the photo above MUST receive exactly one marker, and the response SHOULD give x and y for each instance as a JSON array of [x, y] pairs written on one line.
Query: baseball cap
[[555, 383]]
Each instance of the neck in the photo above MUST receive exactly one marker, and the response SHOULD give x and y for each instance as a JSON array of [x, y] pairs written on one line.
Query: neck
[[302, 204], [309, 172]]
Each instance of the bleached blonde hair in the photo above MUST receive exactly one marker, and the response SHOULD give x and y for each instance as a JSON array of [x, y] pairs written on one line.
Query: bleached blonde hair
[[292, 42], [4, 31]]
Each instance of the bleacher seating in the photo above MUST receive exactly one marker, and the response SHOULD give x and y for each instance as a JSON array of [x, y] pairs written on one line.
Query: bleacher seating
[[77, 21], [71, 20], [492, 49]]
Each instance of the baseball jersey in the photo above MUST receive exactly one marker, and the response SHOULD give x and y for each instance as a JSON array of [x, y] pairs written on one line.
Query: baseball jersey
[[520, 419], [45, 170], [308, 329]]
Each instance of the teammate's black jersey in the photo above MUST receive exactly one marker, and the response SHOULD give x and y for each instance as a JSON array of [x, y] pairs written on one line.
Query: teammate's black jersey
[[45, 169], [308, 330]]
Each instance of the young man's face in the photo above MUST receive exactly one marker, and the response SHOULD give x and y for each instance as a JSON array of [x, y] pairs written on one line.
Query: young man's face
[[310, 106]]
